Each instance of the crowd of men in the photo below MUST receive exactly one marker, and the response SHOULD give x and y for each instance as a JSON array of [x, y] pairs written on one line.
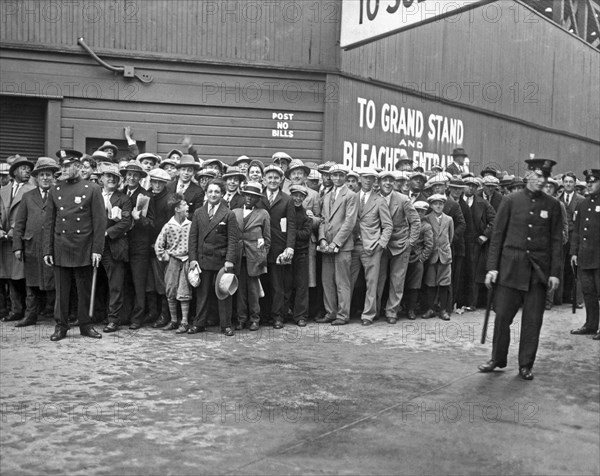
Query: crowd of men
[[177, 241]]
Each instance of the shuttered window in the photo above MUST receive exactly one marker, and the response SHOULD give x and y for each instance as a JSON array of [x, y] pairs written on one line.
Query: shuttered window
[[22, 127]]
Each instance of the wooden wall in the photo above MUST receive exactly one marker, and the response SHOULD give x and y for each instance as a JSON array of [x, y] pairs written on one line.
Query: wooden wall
[[502, 57], [298, 34]]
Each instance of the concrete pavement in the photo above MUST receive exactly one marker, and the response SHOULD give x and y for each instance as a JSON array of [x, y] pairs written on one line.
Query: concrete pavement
[[388, 399]]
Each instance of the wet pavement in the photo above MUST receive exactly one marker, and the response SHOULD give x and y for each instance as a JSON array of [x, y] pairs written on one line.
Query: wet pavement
[[388, 399]]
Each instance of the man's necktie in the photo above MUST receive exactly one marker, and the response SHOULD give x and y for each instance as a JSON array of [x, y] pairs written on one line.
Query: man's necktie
[[44, 196], [567, 199], [180, 188], [271, 199], [211, 212]]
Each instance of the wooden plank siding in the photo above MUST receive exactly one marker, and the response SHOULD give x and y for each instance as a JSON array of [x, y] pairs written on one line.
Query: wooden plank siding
[[217, 132], [296, 34], [502, 57]]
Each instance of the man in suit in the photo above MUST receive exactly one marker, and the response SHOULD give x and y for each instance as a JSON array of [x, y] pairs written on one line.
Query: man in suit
[[572, 200], [233, 178], [457, 166], [586, 252], [27, 242], [116, 248], [140, 238], [73, 241], [525, 258], [405, 232], [213, 245], [336, 241], [192, 193], [490, 192], [479, 218], [283, 240], [255, 241], [11, 268]]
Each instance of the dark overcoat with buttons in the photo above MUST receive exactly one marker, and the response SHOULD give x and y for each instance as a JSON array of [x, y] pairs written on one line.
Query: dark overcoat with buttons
[[586, 233], [526, 240], [75, 223], [30, 224], [116, 242], [214, 241]]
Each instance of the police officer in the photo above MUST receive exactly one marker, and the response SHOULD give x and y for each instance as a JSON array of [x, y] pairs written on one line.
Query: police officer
[[524, 261], [73, 241], [586, 252]]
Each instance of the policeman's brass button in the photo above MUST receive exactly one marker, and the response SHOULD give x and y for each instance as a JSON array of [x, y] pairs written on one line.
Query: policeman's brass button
[[533, 199], [530, 225], [531, 213], [528, 238], [64, 231], [64, 219], [85, 187], [62, 208], [57, 188], [78, 231], [78, 219], [60, 198]]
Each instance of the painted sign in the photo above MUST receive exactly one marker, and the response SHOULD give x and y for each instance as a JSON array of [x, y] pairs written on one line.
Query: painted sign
[[367, 20]]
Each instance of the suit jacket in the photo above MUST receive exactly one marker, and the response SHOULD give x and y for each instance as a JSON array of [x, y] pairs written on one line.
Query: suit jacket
[[374, 223], [526, 239], [453, 169], [214, 241], [10, 267], [443, 232], [424, 245], [193, 195], [576, 199], [253, 227], [76, 223], [303, 229], [405, 223], [116, 229], [283, 212], [140, 236], [586, 231], [453, 210], [339, 218], [479, 218], [494, 200], [28, 231], [237, 201]]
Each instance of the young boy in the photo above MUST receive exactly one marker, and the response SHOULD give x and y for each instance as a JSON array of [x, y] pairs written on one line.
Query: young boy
[[439, 273], [172, 246], [419, 254]]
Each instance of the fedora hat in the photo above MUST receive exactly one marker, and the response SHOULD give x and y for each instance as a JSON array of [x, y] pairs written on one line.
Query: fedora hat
[[226, 284], [297, 164], [109, 145], [133, 166], [45, 163], [18, 162], [459, 153], [217, 162], [188, 161], [234, 171]]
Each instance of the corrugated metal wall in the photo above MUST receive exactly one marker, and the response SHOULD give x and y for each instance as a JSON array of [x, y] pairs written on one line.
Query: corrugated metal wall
[[269, 32], [501, 57]]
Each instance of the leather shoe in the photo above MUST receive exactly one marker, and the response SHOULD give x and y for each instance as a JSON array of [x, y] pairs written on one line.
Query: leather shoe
[[278, 325], [392, 320], [172, 326], [195, 329], [444, 316], [366, 322], [489, 366], [254, 326], [579, 305], [183, 328], [582, 331], [228, 331], [26, 321], [429, 314], [525, 373], [16, 316], [411, 315], [596, 337], [162, 321], [59, 334], [339, 322], [301, 323], [111, 327], [135, 326], [91, 332], [325, 320]]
